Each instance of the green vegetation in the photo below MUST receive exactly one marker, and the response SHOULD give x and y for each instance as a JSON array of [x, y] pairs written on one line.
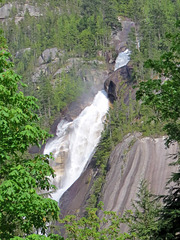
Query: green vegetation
[[163, 96], [22, 210], [39, 237], [147, 41], [66, 26], [98, 224], [82, 28], [143, 219]]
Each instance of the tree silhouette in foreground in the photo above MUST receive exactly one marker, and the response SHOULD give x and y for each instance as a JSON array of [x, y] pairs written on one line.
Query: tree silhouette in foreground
[[22, 210]]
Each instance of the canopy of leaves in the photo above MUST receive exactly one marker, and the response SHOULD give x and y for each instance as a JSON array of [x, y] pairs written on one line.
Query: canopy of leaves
[[22, 210]]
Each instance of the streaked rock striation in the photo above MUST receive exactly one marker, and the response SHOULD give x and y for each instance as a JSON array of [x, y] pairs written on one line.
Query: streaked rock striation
[[133, 159]]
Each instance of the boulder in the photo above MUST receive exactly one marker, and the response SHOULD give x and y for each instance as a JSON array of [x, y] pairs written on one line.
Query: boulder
[[48, 55]]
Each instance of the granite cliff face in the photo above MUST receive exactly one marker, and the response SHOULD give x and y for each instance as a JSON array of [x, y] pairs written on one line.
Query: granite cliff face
[[132, 160]]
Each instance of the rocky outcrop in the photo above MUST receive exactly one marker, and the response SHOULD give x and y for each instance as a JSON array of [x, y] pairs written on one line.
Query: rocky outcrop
[[20, 10], [118, 79], [134, 159], [5, 11], [123, 75], [93, 71], [131, 161], [120, 39], [49, 55]]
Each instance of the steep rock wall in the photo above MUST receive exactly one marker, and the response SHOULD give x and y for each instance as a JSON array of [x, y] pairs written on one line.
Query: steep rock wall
[[118, 79], [135, 158], [131, 161]]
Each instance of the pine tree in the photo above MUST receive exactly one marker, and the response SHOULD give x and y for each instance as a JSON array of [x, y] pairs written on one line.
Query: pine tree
[[144, 219]]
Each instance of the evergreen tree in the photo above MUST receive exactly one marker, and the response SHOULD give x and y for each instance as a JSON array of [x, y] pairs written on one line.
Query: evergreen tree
[[163, 95], [144, 219]]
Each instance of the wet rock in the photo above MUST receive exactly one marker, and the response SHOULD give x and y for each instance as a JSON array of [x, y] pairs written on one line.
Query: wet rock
[[134, 159], [120, 39]]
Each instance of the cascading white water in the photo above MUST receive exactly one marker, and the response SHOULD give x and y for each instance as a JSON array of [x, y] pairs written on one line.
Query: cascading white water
[[75, 143], [122, 59]]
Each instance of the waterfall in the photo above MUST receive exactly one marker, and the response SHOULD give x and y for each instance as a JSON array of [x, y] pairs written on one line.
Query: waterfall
[[122, 59], [75, 142]]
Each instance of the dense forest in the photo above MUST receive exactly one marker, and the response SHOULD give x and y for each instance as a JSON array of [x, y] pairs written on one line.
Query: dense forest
[[83, 29]]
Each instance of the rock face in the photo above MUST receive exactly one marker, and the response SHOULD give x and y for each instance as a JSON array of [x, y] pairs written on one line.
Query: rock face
[[48, 55], [114, 82], [21, 52], [120, 39], [134, 159], [131, 161], [21, 10], [5, 10]]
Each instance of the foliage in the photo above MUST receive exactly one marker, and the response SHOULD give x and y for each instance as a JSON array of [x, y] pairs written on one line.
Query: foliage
[[170, 216], [82, 29], [163, 95], [22, 209], [17, 120], [147, 40], [39, 237], [144, 218], [97, 224]]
